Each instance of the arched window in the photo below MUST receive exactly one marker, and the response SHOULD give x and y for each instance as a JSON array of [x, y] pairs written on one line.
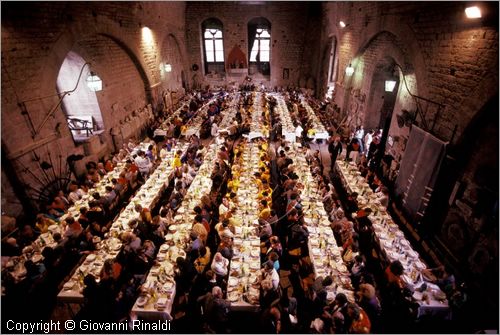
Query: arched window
[[213, 44], [259, 42], [332, 68], [81, 106]]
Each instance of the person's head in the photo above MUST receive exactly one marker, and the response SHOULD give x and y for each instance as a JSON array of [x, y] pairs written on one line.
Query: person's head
[[180, 261], [327, 281], [217, 292], [269, 265], [358, 259], [397, 268], [273, 256], [193, 236], [70, 220], [367, 290], [57, 237], [340, 299], [109, 188], [218, 257], [353, 311], [293, 215], [138, 208], [321, 295]]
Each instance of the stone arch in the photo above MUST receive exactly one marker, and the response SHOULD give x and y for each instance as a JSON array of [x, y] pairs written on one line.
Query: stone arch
[[407, 42], [483, 94], [329, 69], [170, 53], [383, 47], [137, 63]]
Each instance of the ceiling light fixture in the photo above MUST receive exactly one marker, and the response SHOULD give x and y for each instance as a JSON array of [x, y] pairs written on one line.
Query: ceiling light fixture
[[473, 12], [349, 70]]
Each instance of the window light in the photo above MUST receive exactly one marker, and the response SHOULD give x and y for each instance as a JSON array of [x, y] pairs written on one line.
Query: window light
[[389, 85], [349, 70], [342, 24], [94, 82]]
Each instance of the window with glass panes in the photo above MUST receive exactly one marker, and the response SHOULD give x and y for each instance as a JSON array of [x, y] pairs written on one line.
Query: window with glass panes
[[214, 47], [261, 46]]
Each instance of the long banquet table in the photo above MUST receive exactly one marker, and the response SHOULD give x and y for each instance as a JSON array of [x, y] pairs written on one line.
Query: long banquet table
[[157, 302], [393, 243]]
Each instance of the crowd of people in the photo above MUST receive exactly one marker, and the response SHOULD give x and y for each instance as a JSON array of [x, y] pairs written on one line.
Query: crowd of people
[[292, 299]]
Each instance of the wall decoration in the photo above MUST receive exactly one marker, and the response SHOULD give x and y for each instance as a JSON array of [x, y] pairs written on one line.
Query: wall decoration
[[286, 73]]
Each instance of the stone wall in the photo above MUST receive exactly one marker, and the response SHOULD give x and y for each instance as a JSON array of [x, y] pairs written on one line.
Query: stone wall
[[112, 36], [295, 32], [452, 61]]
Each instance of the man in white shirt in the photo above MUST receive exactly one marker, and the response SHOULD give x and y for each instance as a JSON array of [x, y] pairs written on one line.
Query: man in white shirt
[[143, 163], [298, 131], [368, 140], [359, 134], [76, 193]]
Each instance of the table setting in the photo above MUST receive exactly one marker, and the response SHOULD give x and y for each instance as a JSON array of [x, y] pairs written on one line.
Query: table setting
[[391, 239]]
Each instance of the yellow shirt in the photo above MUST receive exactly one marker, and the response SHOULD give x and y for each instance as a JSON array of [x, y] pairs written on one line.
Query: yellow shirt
[[265, 213], [176, 162]]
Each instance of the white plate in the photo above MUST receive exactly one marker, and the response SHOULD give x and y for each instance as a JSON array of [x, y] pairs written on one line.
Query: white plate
[[232, 281], [90, 258], [141, 301]]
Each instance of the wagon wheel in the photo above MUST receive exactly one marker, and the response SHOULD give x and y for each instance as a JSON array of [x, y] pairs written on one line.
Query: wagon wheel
[[50, 190]]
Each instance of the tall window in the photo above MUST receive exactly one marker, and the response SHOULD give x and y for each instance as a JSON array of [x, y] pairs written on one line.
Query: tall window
[[259, 43], [261, 46], [81, 107], [332, 68], [213, 46]]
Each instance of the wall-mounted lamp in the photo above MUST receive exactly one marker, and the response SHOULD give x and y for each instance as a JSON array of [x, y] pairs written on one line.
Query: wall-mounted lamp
[[389, 85], [342, 24], [94, 82], [349, 70], [168, 68], [473, 12]]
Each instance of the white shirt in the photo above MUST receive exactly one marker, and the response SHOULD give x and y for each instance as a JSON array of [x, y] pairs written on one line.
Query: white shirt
[[163, 153], [368, 140], [215, 130], [220, 268], [359, 134], [298, 131], [143, 164]]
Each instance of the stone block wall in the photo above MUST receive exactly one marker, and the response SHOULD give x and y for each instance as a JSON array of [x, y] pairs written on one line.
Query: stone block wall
[[295, 32], [37, 36], [450, 60]]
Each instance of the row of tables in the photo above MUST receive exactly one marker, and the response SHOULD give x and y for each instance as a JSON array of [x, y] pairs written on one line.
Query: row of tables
[[243, 289], [34, 251], [393, 242], [147, 196], [156, 302], [324, 252]]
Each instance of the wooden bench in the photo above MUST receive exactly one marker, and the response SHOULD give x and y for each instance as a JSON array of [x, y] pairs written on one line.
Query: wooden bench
[[82, 122]]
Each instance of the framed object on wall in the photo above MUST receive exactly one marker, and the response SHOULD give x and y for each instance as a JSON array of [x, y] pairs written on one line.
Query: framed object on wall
[[286, 73]]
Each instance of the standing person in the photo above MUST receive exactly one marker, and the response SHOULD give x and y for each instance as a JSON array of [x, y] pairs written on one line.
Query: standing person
[[368, 140], [359, 134], [335, 149]]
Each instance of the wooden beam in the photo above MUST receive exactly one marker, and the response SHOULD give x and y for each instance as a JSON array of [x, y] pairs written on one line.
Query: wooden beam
[[30, 147]]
